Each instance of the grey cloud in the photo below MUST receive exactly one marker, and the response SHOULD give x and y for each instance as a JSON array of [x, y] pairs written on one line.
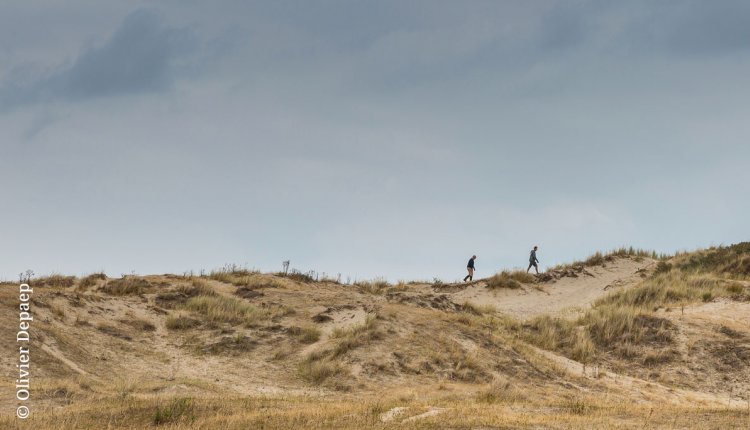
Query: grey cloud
[[140, 57], [690, 28]]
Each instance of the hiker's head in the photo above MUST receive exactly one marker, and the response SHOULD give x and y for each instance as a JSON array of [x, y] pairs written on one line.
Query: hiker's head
[[535, 247], [473, 257]]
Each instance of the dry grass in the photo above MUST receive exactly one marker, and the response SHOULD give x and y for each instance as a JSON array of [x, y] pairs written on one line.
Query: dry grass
[[138, 324], [600, 258], [671, 288], [315, 371], [450, 361], [500, 391], [335, 412], [181, 322], [91, 280], [726, 261], [297, 276], [127, 286], [477, 367], [512, 280], [245, 278], [478, 309], [628, 332], [305, 334], [223, 309], [54, 281], [175, 411], [353, 337], [375, 286], [197, 287]]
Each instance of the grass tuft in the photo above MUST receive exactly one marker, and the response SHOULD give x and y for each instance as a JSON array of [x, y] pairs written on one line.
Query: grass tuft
[[126, 286], [512, 280]]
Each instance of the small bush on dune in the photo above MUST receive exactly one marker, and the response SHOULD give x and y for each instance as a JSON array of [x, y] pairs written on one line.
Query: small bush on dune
[[512, 280], [316, 371], [54, 281], [600, 258], [245, 278], [594, 260], [350, 338], [91, 280], [550, 333], [126, 286], [226, 309], [197, 287], [180, 322], [298, 276], [500, 391], [728, 261], [667, 288], [139, 324], [611, 326], [306, 334], [175, 411], [376, 286], [257, 282], [478, 309]]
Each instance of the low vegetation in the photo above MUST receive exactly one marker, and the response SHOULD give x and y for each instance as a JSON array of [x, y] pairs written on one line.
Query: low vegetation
[[245, 278], [375, 286], [413, 363], [91, 280], [316, 370], [623, 323], [127, 286], [225, 309], [54, 281], [352, 337], [512, 280], [600, 258], [181, 322], [305, 334], [175, 411], [725, 261]]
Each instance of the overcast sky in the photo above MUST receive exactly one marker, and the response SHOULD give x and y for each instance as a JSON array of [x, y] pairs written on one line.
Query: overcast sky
[[377, 138]]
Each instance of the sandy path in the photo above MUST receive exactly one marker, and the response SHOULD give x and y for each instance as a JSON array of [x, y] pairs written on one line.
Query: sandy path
[[565, 296]]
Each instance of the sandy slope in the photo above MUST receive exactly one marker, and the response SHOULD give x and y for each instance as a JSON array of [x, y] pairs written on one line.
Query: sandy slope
[[88, 339], [567, 295]]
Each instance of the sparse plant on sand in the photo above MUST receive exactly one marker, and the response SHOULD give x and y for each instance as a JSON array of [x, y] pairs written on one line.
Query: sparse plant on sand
[[91, 280], [180, 322], [54, 281], [316, 370], [174, 411], [305, 334], [512, 280], [376, 286], [127, 286]]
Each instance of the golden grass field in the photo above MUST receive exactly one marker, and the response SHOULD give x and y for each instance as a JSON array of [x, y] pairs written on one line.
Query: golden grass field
[[626, 339]]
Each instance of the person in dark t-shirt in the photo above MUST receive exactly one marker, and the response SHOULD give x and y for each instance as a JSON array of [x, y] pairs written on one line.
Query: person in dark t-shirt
[[470, 268], [533, 261]]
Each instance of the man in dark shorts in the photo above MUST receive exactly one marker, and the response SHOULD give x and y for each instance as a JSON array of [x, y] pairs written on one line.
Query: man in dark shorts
[[533, 261], [470, 268]]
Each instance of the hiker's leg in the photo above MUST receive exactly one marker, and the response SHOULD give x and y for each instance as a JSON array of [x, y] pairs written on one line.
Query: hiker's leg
[[536, 268], [471, 274], [529, 268]]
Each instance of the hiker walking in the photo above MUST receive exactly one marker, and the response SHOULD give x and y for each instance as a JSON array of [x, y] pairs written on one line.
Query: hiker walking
[[470, 268], [533, 261]]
